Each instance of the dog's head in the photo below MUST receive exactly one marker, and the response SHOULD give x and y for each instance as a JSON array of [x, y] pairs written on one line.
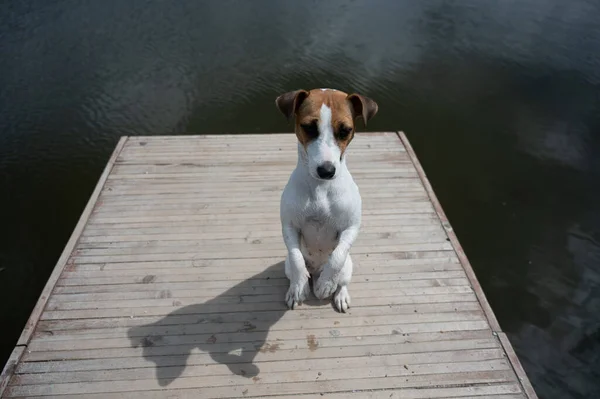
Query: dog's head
[[325, 124]]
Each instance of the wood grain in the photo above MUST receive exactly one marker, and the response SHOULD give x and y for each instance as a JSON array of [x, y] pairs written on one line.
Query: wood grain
[[172, 285]]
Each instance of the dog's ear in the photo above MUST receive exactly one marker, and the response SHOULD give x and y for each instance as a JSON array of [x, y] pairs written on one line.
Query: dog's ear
[[363, 106], [288, 103]]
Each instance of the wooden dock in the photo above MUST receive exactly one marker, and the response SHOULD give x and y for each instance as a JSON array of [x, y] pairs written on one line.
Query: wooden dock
[[172, 286]]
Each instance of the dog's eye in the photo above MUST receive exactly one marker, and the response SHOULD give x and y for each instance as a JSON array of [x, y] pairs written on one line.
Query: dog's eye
[[311, 129], [344, 131]]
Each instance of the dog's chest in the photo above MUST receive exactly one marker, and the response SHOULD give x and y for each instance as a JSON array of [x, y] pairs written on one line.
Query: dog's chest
[[321, 221], [322, 211]]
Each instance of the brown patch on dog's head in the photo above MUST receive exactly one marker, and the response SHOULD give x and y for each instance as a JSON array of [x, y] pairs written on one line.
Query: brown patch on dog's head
[[305, 106]]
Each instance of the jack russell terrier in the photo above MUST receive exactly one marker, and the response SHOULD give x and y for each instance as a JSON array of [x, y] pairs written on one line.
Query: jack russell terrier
[[321, 206]]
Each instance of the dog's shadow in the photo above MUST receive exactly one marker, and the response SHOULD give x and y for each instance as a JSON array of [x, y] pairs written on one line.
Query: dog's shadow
[[232, 327]]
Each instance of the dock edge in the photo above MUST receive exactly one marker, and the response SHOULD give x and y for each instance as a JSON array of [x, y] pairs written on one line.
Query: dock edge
[[23, 341], [481, 298]]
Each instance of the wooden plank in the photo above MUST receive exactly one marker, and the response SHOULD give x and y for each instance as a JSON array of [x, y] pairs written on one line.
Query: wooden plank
[[413, 343], [396, 263], [189, 184], [238, 246], [245, 181], [272, 368], [251, 154], [56, 328], [216, 196], [145, 280], [277, 377], [211, 289], [88, 256], [231, 205], [428, 293], [204, 289], [256, 151], [374, 381], [384, 224], [407, 353], [267, 243], [386, 258], [382, 219], [306, 359], [273, 303], [484, 391], [488, 391], [424, 233], [171, 216], [244, 231], [250, 254], [264, 243], [254, 164], [251, 250], [242, 212], [260, 322], [226, 137], [385, 278], [186, 171], [62, 261], [162, 287], [280, 160], [218, 189], [216, 200], [359, 145], [393, 263], [289, 149], [287, 340], [129, 172]]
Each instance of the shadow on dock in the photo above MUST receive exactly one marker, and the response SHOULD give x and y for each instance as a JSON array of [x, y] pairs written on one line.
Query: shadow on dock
[[231, 328]]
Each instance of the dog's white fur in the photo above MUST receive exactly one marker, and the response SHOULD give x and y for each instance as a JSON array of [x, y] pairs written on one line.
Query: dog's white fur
[[320, 221]]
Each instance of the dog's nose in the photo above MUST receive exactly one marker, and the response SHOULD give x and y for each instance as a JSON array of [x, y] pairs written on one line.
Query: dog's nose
[[326, 171]]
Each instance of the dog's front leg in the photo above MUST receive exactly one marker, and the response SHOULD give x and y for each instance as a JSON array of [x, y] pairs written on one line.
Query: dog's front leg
[[295, 268], [338, 271]]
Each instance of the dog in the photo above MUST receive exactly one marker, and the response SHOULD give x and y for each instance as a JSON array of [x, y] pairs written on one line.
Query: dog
[[320, 207]]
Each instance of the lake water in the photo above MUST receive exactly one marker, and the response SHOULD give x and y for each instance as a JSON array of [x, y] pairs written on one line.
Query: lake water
[[500, 99]]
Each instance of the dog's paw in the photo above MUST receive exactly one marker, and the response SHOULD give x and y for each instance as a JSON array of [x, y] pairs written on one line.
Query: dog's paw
[[342, 299], [325, 287], [297, 293]]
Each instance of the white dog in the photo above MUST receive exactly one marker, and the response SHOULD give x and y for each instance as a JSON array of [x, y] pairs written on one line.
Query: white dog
[[321, 204]]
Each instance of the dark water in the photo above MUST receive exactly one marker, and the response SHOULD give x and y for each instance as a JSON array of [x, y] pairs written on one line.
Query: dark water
[[500, 99]]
